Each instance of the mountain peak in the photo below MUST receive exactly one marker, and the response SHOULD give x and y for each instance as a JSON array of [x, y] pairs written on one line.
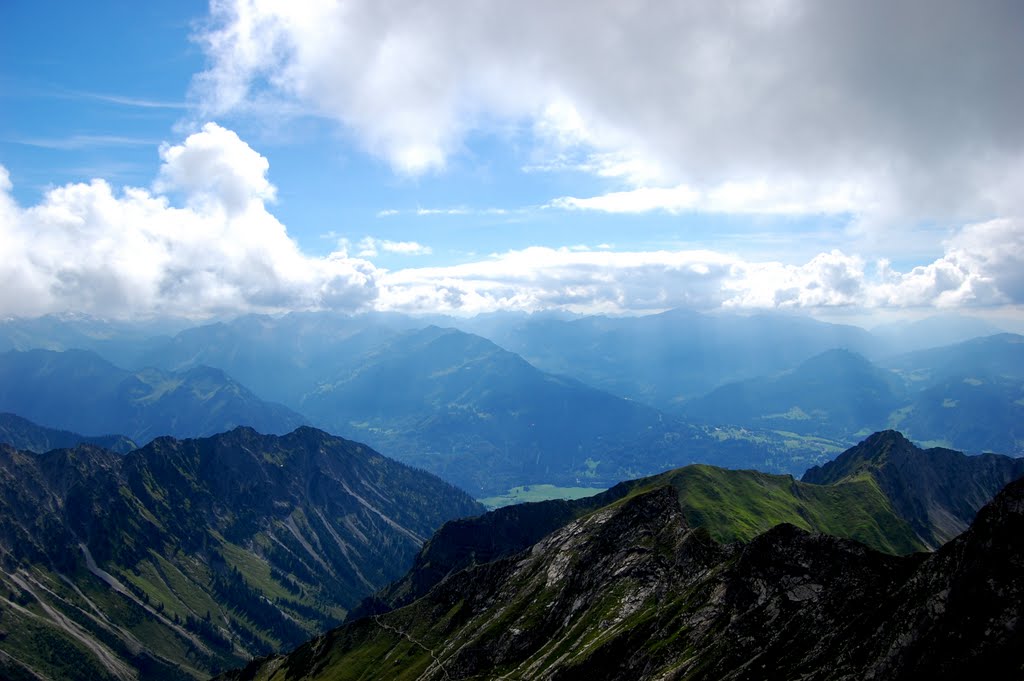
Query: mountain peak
[[870, 452], [916, 481]]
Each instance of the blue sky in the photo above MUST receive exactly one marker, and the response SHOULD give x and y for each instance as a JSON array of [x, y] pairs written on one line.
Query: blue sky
[[453, 157]]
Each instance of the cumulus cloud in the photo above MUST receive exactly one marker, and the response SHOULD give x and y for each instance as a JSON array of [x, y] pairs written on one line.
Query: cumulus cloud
[[906, 109], [982, 266], [86, 247], [215, 169], [203, 241]]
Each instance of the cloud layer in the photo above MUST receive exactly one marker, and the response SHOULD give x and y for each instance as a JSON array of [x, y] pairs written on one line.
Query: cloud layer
[[203, 241], [90, 249], [907, 111]]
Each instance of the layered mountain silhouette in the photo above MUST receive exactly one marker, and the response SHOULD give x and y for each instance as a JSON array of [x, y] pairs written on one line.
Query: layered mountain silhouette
[[1001, 355], [837, 393], [79, 391], [484, 418], [24, 434], [666, 358], [642, 583], [968, 396], [188, 556]]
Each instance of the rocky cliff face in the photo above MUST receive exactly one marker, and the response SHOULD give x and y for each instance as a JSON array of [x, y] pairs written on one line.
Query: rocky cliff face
[[938, 491], [189, 556], [630, 591]]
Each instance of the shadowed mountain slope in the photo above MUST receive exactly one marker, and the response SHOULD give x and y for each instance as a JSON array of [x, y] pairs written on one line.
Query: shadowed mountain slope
[[633, 591], [185, 557], [23, 434], [79, 391]]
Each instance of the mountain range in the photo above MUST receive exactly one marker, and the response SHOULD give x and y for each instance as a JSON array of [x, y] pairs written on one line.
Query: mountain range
[[24, 434], [79, 391], [584, 403], [485, 419], [636, 584], [968, 396], [184, 557]]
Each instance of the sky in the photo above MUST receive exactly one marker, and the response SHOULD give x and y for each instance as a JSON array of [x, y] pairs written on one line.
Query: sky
[[601, 156]]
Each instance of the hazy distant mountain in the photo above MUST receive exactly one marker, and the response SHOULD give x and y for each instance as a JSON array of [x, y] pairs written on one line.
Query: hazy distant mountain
[[969, 413], [279, 358], [931, 332], [999, 356], [188, 556], [837, 394], [23, 434], [968, 396], [79, 391], [121, 342], [665, 358], [640, 587], [484, 418]]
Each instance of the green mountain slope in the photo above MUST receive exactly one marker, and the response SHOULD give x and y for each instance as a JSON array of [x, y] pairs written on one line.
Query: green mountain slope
[[79, 391], [23, 434], [938, 491], [632, 591], [188, 556], [885, 492], [730, 505]]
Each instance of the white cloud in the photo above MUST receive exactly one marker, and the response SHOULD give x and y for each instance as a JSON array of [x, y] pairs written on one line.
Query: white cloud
[[88, 248], [460, 210], [405, 247], [982, 266], [758, 197], [215, 169], [854, 103], [370, 247]]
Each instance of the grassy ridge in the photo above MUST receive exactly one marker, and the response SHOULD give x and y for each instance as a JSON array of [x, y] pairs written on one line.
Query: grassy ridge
[[739, 505]]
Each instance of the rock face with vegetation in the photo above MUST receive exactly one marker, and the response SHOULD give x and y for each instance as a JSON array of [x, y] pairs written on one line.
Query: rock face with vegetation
[[885, 492], [938, 491], [709, 573], [185, 557], [634, 591]]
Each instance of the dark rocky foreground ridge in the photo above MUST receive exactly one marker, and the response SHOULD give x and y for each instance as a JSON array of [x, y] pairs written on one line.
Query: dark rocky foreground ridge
[[632, 591], [185, 557], [886, 493]]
